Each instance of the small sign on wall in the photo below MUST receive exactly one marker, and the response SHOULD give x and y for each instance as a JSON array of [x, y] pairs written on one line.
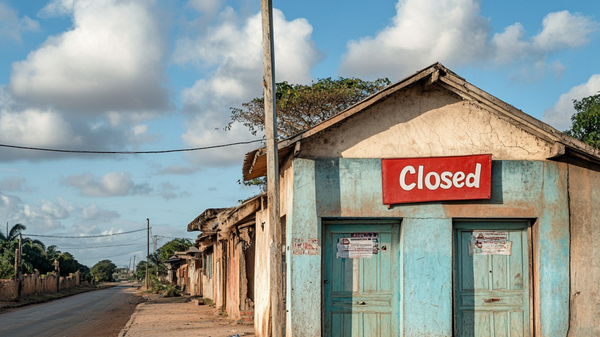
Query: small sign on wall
[[358, 246], [490, 243]]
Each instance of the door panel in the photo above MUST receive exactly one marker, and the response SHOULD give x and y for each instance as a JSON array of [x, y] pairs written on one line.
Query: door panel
[[361, 294], [491, 291]]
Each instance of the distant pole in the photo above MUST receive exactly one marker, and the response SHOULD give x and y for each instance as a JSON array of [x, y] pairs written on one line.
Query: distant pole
[[129, 267], [148, 251], [134, 269], [19, 269], [275, 295]]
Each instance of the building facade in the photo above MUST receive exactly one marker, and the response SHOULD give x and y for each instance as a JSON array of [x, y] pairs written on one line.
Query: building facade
[[521, 260]]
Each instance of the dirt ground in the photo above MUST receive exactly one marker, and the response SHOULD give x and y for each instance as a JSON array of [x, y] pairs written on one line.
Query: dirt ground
[[175, 317]]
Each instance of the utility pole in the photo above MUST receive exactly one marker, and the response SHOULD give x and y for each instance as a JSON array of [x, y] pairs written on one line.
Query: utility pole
[[154, 241], [18, 271], [148, 253], [275, 295], [134, 269], [129, 268]]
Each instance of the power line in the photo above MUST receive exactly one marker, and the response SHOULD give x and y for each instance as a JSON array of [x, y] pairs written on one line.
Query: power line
[[84, 237], [92, 247], [129, 152]]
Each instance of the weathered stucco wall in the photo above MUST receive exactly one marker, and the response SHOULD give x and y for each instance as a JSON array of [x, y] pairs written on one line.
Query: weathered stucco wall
[[262, 307], [334, 188], [417, 123], [233, 281], [584, 197], [208, 284], [36, 284]]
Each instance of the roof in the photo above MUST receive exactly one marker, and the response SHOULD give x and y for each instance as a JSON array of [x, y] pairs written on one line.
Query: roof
[[204, 218], [219, 222], [255, 161]]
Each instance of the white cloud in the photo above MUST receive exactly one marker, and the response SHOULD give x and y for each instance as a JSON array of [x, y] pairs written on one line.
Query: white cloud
[[233, 49], [112, 59], [453, 32], [57, 8], [12, 184], [11, 26], [563, 30], [93, 213], [110, 185], [176, 169], [33, 127], [209, 7], [559, 116]]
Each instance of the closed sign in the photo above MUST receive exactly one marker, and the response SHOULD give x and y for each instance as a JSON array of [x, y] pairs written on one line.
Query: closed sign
[[437, 178]]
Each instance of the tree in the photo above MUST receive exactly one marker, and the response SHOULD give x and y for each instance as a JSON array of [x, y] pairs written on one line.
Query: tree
[[103, 270], [175, 245], [301, 107], [140, 270], [6, 239], [586, 121]]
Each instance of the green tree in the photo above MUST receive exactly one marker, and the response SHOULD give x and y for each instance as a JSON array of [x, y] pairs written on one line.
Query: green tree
[[103, 270], [301, 107], [6, 239], [140, 270], [175, 245], [586, 121]]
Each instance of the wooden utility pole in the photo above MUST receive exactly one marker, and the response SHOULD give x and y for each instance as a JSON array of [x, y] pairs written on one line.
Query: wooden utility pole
[[134, 268], [19, 271], [148, 253], [275, 297]]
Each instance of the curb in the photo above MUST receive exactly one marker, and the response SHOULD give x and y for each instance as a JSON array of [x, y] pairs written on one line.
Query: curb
[[125, 330]]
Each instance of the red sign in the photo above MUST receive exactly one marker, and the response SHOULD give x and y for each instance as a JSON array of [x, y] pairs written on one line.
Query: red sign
[[437, 178]]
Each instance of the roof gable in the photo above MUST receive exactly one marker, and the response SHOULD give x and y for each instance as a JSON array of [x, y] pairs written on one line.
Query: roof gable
[[434, 100]]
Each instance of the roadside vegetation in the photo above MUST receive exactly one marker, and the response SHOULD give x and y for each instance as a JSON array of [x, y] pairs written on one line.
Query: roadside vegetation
[[35, 256], [157, 269]]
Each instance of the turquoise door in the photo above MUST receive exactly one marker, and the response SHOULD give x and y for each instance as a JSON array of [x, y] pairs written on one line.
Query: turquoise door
[[491, 279], [361, 289]]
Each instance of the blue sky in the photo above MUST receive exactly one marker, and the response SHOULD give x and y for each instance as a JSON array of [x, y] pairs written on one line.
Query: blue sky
[[118, 75]]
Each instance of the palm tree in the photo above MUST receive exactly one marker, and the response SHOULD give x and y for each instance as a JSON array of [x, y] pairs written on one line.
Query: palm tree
[[10, 236]]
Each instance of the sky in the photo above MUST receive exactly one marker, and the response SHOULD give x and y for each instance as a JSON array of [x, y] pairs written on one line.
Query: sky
[[145, 75]]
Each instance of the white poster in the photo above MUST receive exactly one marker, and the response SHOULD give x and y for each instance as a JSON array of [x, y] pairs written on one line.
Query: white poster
[[359, 246], [490, 243]]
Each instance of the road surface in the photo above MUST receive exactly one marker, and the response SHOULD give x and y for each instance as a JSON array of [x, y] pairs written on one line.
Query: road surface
[[95, 313]]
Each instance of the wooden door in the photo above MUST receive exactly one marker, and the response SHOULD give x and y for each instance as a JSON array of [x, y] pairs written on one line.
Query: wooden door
[[361, 293], [491, 286]]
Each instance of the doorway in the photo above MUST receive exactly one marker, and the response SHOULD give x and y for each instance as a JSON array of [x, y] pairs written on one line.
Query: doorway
[[360, 278], [492, 278]]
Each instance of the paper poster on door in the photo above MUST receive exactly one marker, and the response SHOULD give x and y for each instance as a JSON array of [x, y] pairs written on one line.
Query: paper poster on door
[[358, 246], [490, 243]]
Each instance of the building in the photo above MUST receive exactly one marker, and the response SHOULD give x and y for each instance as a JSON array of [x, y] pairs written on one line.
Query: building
[[432, 208]]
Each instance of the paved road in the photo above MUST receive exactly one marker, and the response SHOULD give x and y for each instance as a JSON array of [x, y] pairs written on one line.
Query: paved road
[[95, 313]]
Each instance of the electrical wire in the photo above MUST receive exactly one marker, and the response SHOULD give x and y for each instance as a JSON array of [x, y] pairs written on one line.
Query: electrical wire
[[117, 245], [85, 237], [130, 152]]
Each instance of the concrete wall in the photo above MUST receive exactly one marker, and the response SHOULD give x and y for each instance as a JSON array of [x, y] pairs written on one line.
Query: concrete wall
[[234, 277], [584, 197], [351, 188], [36, 284], [419, 123], [262, 307], [207, 277]]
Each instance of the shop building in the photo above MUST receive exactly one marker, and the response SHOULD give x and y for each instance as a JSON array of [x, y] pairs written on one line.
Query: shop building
[[435, 209]]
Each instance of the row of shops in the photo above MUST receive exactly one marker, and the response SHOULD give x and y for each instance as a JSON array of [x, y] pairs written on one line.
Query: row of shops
[[429, 209]]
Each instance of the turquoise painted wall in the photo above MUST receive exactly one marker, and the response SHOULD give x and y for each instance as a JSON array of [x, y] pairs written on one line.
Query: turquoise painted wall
[[351, 188]]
